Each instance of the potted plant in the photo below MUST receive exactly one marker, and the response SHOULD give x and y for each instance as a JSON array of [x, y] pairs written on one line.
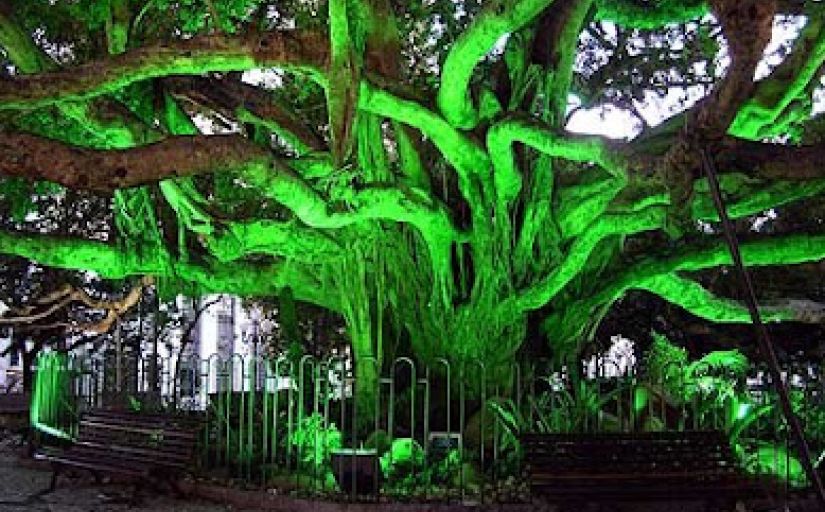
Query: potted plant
[[356, 470]]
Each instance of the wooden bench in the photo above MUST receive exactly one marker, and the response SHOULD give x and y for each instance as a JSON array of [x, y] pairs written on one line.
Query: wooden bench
[[14, 407], [14, 403], [694, 465], [146, 447], [14, 414]]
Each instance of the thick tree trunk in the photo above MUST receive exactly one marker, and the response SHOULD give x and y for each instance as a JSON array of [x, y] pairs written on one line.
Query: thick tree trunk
[[367, 382]]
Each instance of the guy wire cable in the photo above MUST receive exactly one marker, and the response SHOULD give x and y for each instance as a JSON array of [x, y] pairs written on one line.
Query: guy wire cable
[[762, 336]]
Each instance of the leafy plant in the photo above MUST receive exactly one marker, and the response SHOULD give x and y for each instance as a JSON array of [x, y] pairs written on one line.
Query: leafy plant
[[404, 456], [315, 440], [771, 459], [709, 383], [558, 409], [406, 468]]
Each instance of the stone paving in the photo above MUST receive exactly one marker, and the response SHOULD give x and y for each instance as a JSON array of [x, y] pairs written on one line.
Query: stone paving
[[24, 487]]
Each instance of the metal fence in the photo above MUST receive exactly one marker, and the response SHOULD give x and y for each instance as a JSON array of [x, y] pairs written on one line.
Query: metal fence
[[440, 431]]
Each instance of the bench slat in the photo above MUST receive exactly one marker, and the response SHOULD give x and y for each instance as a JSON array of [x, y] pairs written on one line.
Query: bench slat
[[130, 444], [632, 464]]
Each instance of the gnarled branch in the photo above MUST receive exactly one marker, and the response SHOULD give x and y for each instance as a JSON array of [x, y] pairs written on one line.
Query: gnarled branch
[[496, 19], [291, 49], [38, 158], [246, 103], [790, 82]]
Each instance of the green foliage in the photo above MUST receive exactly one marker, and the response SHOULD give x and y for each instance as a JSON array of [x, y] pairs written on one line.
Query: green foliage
[[708, 387], [811, 413], [404, 456], [681, 380], [406, 468], [379, 441], [196, 15], [664, 360], [20, 196], [93, 13], [773, 459], [315, 440], [134, 403]]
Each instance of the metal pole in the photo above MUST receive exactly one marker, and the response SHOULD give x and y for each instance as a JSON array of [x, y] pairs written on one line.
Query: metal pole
[[762, 336], [118, 359]]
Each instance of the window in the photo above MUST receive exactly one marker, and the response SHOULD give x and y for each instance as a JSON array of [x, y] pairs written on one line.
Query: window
[[226, 332], [14, 358]]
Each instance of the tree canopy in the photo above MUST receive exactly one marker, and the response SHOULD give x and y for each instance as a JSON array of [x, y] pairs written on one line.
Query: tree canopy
[[409, 165]]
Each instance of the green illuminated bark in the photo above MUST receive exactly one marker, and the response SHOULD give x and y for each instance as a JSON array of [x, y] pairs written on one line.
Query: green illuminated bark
[[699, 301], [659, 276], [106, 122], [293, 50], [114, 263], [503, 135], [496, 19], [784, 97], [650, 15], [286, 239], [576, 258], [468, 158]]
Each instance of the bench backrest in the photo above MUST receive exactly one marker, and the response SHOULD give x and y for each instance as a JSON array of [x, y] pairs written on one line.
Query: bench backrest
[[14, 403], [706, 452], [157, 438]]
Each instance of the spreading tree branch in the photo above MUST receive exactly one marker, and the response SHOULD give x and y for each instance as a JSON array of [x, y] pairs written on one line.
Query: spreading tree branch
[[496, 19], [114, 308], [288, 239], [785, 94], [291, 49], [105, 119], [35, 157], [249, 104], [469, 159], [109, 262], [503, 135], [786, 250], [102, 171], [698, 300], [540, 293]]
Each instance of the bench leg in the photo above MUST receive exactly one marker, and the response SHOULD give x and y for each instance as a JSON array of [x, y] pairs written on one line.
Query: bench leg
[[176, 489], [56, 468], [137, 494]]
